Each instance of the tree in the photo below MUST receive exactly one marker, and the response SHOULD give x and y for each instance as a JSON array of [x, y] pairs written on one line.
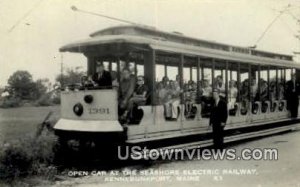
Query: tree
[[40, 88], [22, 86], [72, 76]]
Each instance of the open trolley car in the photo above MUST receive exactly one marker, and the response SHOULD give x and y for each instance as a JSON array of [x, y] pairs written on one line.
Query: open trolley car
[[91, 115]]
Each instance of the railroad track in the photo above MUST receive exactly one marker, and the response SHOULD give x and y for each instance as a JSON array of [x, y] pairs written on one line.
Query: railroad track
[[231, 138]]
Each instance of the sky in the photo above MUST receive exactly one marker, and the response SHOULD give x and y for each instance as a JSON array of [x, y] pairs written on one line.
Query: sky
[[33, 44]]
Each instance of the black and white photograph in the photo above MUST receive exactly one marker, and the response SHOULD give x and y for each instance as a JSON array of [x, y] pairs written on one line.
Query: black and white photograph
[[149, 93]]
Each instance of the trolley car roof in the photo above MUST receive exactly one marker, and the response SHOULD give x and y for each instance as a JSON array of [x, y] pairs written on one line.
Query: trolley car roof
[[224, 52]]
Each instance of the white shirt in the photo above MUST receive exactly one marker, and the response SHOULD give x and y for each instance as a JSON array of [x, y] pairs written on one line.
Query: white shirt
[[217, 102], [232, 93], [207, 91], [222, 89]]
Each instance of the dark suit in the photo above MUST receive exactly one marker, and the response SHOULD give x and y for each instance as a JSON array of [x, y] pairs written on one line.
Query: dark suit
[[103, 80], [292, 92], [218, 115]]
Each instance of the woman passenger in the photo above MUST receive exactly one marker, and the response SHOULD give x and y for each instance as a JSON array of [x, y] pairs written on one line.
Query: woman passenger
[[206, 91], [232, 94], [173, 101], [162, 93]]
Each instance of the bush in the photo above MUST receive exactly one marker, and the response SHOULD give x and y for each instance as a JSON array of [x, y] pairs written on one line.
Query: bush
[[48, 100], [44, 101], [10, 102], [28, 156], [56, 100]]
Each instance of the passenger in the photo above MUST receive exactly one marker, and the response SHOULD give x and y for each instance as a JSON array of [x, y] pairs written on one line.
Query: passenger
[[253, 89], [114, 77], [280, 91], [273, 90], [162, 93], [190, 96], [263, 90], [171, 106], [126, 90], [206, 91], [187, 97], [163, 90], [206, 98], [165, 82], [245, 96], [177, 78], [193, 91], [245, 90], [232, 94], [139, 95], [190, 82], [141, 90], [199, 87], [177, 82], [174, 90], [83, 80], [293, 88], [158, 87], [220, 86], [102, 78], [85, 83]]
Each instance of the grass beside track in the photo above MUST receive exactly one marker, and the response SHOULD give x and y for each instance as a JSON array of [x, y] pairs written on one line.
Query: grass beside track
[[19, 122]]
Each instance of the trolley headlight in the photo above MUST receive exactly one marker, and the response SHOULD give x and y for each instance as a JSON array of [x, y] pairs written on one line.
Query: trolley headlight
[[78, 109], [88, 99]]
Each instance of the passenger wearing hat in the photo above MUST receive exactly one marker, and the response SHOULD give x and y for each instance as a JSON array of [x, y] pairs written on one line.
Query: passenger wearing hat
[[102, 78], [218, 118]]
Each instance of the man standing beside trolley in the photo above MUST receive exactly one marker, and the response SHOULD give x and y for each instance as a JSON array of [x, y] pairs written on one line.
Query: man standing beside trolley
[[218, 118], [292, 96]]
